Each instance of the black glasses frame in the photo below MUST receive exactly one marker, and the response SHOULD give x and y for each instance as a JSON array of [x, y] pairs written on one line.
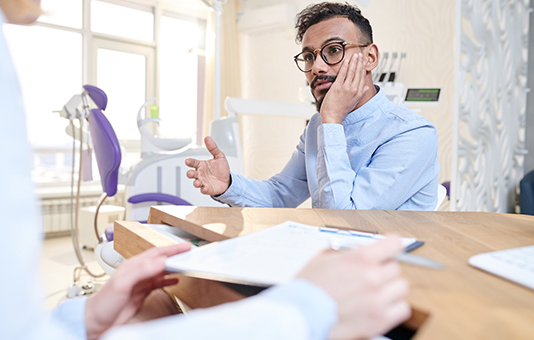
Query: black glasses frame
[[314, 53]]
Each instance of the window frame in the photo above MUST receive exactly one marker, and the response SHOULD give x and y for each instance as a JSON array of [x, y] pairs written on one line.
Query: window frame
[[131, 145], [92, 40]]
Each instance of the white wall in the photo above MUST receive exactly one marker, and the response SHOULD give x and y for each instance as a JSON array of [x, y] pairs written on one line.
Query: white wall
[[424, 29], [269, 73]]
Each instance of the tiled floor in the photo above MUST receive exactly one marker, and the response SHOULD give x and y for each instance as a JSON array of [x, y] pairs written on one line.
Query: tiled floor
[[57, 269]]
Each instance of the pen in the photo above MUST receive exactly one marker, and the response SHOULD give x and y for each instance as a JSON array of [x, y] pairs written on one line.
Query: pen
[[346, 232], [419, 261], [333, 228], [402, 257]]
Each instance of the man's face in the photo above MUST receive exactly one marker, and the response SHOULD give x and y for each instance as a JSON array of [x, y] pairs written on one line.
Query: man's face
[[323, 75]]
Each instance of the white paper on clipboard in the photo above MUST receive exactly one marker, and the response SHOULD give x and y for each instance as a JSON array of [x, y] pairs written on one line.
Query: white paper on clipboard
[[268, 257]]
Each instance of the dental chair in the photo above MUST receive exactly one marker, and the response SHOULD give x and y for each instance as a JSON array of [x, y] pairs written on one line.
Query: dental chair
[[108, 156], [443, 192]]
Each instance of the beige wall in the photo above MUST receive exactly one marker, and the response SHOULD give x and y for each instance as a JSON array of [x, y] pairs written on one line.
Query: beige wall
[[425, 31], [421, 28], [269, 73]]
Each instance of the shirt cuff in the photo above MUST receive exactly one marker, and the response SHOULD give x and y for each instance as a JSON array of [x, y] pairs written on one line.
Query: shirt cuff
[[71, 314], [233, 192], [315, 304], [331, 135]]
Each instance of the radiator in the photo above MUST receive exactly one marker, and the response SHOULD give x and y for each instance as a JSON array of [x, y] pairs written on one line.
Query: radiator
[[56, 212]]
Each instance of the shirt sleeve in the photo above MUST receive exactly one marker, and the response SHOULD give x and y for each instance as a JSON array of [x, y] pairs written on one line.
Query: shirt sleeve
[[287, 189], [69, 317], [66, 322], [295, 311], [386, 182]]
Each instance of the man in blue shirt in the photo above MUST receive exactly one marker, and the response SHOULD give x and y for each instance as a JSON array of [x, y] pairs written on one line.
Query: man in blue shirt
[[360, 151], [357, 294]]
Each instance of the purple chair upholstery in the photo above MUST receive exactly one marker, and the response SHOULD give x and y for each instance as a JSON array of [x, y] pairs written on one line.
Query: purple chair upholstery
[[108, 155], [105, 142], [157, 197], [447, 186], [98, 96], [107, 151]]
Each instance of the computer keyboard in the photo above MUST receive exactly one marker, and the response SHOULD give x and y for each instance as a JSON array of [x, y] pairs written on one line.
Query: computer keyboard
[[516, 264]]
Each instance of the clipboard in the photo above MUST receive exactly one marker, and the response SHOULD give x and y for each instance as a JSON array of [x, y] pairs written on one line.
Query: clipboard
[[268, 257], [342, 230]]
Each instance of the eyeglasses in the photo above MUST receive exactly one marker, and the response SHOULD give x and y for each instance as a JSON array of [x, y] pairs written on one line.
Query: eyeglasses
[[332, 53]]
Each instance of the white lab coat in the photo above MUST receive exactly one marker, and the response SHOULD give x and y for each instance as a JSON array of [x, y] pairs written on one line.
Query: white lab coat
[[298, 310]]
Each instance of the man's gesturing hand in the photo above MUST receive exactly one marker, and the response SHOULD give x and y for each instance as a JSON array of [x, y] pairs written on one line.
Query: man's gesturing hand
[[366, 286], [123, 295], [346, 91], [212, 176]]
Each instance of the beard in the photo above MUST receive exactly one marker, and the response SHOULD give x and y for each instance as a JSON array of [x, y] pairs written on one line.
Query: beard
[[319, 102]]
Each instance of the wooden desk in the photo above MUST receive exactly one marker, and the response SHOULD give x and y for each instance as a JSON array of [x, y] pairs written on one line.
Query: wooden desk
[[463, 302]]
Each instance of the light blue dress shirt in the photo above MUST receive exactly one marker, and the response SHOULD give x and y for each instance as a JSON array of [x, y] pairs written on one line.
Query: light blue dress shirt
[[383, 156], [299, 310]]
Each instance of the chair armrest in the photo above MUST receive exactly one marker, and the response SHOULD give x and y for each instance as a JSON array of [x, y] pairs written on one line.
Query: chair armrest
[[157, 197]]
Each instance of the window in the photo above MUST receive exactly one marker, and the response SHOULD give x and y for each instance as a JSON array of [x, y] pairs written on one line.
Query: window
[[49, 65], [66, 13], [134, 23], [122, 75], [43, 51], [179, 67], [115, 50]]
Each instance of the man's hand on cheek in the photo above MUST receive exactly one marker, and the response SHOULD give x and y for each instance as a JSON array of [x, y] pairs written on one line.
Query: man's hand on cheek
[[346, 92]]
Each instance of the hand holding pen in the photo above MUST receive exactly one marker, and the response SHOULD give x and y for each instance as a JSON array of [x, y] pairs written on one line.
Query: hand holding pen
[[365, 283], [403, 257]]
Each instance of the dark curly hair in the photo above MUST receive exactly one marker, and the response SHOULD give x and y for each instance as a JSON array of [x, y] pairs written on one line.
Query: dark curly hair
[[314, 14]]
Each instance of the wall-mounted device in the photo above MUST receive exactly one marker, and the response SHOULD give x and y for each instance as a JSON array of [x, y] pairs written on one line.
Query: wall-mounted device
[[386, 77], [422, 95]]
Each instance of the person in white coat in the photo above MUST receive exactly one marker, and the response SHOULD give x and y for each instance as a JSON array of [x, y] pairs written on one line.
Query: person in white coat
[[357, 294]]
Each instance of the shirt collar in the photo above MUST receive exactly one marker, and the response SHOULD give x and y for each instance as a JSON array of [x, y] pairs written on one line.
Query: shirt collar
[[376, 103]]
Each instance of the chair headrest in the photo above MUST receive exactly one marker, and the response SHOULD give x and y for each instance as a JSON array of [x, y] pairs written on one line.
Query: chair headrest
[[98, 96]]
